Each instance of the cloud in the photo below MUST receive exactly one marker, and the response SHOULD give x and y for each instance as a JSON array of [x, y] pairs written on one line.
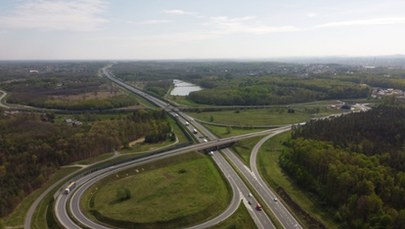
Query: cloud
[[246, 24], [374, 21], [154, 22], [68, 15], [178, 12], [312, 15]]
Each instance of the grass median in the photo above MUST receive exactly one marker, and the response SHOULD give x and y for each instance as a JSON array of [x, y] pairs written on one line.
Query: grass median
[[302, 203]]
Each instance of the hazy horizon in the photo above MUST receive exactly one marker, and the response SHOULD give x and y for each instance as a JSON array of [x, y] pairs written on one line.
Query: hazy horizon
[[181, 29]]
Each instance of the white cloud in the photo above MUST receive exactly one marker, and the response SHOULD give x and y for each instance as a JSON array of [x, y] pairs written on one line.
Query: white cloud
[[154, 22], [312, 15], [70, 15], [374, 21], [178, 12], [245, 25]]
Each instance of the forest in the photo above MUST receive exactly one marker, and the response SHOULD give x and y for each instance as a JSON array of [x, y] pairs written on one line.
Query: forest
[[34, 145], [273, 90], [61, 85], [355, 164]]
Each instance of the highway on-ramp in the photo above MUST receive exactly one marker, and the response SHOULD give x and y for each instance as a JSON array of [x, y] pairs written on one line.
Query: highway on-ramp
[[241, 191]]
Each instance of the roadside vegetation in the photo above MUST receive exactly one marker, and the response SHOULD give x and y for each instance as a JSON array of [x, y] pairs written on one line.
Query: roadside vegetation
[[265, 117], [175, 192], [67, 86], [244, 148], [305, 206], [33, 146], [16, 219], [239, 220], [354, 165]]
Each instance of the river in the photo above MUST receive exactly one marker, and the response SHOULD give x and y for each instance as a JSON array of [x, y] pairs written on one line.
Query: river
[[182, 88]]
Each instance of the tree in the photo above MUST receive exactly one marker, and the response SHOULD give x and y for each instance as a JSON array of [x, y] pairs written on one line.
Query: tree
[[228, 129], [123, 194]]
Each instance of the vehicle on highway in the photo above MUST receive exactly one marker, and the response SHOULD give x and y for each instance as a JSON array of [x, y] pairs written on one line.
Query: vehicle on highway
[[195, 131], [70, 187], [275, 199], [211, 153], [187, 123], [258, 207], [205, 140]]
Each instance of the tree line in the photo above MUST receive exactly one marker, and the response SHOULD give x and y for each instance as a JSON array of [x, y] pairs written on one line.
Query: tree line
[[355, 164], [33, 147]]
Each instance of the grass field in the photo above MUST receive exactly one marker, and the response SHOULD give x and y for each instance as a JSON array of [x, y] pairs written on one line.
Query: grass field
[[183, 101], [174, 192], [270, 170], [16, 218], [224, 132], [243, 148], [239, 220], [267, 116]]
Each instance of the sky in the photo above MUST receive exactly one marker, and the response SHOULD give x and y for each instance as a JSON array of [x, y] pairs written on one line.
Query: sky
[[199, 29]]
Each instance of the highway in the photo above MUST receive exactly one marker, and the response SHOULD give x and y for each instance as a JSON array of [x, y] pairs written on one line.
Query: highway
[[62, 201], [253, 177], [240, 190], [261, 219]]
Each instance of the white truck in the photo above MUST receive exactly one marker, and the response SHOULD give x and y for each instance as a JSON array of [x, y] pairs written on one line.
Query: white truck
[[70, 187]]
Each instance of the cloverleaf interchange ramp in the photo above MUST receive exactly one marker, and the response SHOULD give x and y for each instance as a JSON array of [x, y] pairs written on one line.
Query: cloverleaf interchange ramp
[[240, 190]]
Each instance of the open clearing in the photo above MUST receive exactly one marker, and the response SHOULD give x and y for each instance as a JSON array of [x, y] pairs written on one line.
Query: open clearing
[[174, 192], [267, 116]]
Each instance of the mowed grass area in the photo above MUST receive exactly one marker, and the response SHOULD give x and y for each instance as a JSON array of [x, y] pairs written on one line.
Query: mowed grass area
[[170, 193], [184, 101], [244, 148], [266, 116], [224, 132], [16, 218], [270, 170], [239, 220]]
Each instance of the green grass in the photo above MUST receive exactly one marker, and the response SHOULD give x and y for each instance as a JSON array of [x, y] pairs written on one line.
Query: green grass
[[244, 148], [174, 192], [239, 220], [16, 218], [183, 101], [273, 174], [179, 133], [224, 132], [267, 116], [95, 159]]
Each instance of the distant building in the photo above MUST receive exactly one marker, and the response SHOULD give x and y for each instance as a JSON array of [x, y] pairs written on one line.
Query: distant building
[[73, 122]]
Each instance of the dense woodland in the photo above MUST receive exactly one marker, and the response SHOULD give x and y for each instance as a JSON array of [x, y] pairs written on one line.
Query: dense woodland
[[355, 164], [33, 146], [61, 85], [270, 90]]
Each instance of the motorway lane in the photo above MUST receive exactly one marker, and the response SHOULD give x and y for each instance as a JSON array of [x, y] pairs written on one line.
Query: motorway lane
[[254, 178], [260, 218], [62, 200], [280, 209], [60, 207]]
